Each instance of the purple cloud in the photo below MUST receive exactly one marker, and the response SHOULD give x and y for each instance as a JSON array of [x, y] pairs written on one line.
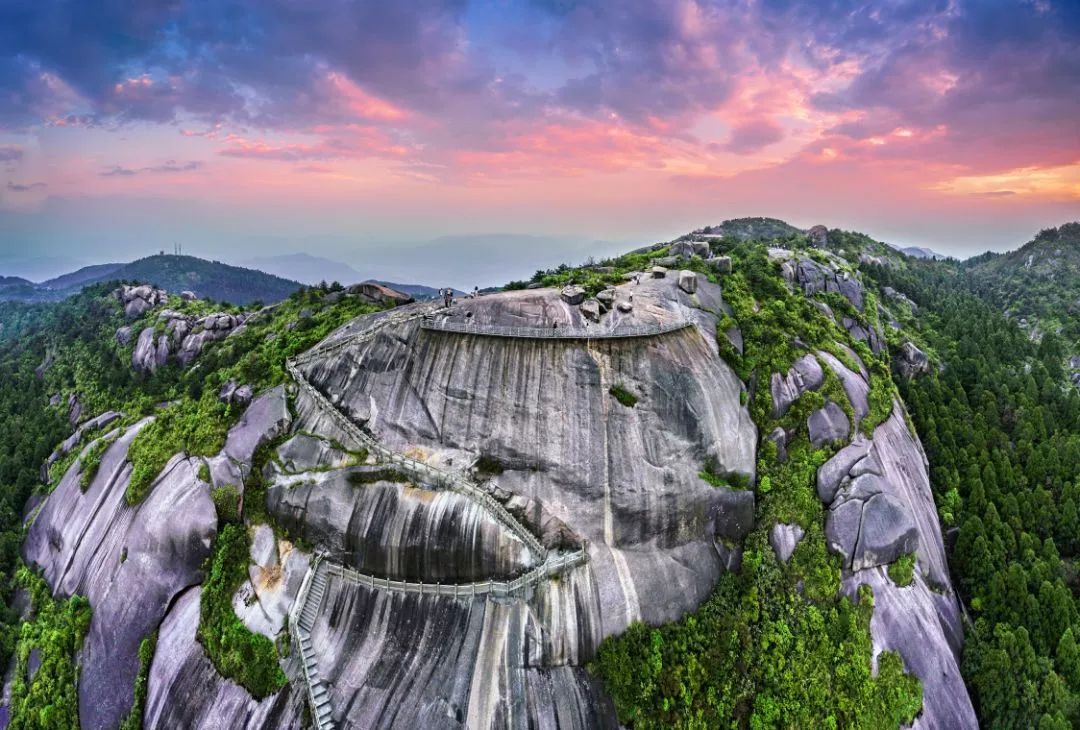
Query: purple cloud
[[167, 167], [10, 153], [25, 187]]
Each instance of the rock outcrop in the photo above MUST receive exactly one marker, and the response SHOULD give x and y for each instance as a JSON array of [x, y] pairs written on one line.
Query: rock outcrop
[[129, 562], [393, 529], [185, 691], [138, 300], [577, 468], [880, 507], [804, 375], [181, 336], [828, 425], [911, 361]]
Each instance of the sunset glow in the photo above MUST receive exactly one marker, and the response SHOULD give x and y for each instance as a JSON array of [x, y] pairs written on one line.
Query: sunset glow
[[917, 122]]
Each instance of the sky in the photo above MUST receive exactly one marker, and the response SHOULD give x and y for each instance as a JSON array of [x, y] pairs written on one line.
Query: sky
[[355, 130]]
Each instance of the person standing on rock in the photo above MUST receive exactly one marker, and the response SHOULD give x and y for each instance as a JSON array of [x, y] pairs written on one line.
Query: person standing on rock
[[448, 297]]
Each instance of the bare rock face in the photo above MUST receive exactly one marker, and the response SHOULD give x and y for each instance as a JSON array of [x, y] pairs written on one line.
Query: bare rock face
[[396, 530], [274, 578], [805, 374], [130, 562], [827, 425], [880, 506], [578, 468], [185, 691], [855, 385], [784, 539], [472, 663], [265, 419], [815, 277], [912, 361]]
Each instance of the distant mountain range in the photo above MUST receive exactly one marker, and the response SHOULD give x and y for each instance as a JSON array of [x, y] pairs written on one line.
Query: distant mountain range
[[267, 279], [920, 252], [208, 279]]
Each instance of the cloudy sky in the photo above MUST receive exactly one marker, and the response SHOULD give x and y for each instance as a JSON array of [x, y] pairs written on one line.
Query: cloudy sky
[[254, 127]]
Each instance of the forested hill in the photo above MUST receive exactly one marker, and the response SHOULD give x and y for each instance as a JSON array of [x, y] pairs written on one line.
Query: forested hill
[[777, 643], [1038, 284], [208, 279]]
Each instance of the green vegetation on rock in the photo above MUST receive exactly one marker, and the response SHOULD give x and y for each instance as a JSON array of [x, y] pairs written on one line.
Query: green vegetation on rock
[[134, 719], [48, 696], [624, 396], [902, 572], [238, 653]]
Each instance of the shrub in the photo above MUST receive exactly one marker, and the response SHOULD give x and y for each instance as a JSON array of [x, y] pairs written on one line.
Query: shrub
[[90, 462], [624, 396], [237, 653], [134, 719], [902, 571], [227, 503], [56, 631], [488, 466]]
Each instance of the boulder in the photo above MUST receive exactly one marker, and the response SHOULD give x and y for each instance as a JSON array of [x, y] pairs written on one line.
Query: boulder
[[264, 420], [721, 264], [225, 393], [827, 425], [804, 375], [819, 236], [144, 358], [591, 309], [784, 539], [835, 469], [887, 532], [535, 285], [606, 298], [658, 272], [624, 306], [669, 262], [573, 294], [688, 281], [701, 249], [779, 437], [681, 249], [74, 410], [136, 308], [188, 296], [242, 395], [123, 335], [911, 361], [379, 294]]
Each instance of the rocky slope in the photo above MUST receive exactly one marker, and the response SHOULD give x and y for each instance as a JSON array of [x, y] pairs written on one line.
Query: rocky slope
[[607, 425]]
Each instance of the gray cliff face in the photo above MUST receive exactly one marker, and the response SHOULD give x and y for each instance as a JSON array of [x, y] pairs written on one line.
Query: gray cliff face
[[130, 562], [185, 691], [624, 478], [398, 531], [921, 621], [405, 661], [576, 466]]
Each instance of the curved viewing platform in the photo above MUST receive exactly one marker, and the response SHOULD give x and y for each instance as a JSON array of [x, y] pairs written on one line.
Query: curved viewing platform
[[554, 333]]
